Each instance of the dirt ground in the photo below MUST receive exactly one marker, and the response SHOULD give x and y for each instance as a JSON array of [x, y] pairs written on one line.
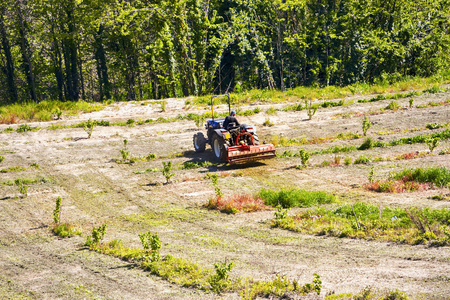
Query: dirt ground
[[96, 189]]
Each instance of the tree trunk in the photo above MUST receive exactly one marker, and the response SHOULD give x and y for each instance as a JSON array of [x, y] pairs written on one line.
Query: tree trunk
[[9, 68]]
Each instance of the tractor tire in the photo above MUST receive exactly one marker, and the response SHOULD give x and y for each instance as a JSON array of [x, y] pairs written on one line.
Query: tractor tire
[[255, 139], [220, 150], [199, 142]]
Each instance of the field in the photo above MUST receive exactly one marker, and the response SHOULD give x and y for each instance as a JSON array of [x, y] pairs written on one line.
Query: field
[[98, 183]]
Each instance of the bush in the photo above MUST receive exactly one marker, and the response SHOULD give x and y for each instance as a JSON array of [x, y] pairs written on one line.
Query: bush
[[295, 198]]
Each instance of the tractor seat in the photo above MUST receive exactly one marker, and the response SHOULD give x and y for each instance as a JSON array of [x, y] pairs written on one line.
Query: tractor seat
[[231, 126]]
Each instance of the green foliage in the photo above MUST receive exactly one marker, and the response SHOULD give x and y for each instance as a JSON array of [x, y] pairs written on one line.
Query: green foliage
[[295, 198], [411, 102], [98, 233], [151, 242], [88, 126], [194, 164], [367, 221], [366, 124], [66, 230], [393, 105], [432, 143], [362, 159], [1, 158], [25, 128], [347, 160], [439, 176], [215, 179], [22, 186], [369, 144], [268, 122], [13, 169], [304, 156], [220, 280], [167, 168], [57, 113], [371, 174], [57, 211], [310, 109]]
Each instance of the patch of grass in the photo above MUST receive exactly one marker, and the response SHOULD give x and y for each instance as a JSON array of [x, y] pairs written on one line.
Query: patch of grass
[[13, 169], [295, 198], [365, 221], [362, 160], [188, 165], [438, 176], [396, 186], [66, 230], [27, 181]]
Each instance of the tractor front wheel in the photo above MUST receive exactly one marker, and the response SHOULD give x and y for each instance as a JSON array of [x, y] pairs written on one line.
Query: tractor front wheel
[[199, 142], [219, 148]]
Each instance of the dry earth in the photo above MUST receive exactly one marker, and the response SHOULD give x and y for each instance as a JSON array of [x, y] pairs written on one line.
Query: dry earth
[[95, 189]]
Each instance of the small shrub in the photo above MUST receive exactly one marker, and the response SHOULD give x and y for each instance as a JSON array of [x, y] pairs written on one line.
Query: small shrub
[[98, 233], [310, 109], [88, 126], [151, 242], [366, 124], [57, 211], [220, 280], [304, 156], [432, 143], [22, 186], [167, 168]]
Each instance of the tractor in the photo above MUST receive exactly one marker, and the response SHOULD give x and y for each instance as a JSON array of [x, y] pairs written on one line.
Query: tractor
[[234, 143]]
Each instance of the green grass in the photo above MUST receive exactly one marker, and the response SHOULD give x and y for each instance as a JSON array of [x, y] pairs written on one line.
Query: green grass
[[27, 181], [66, 230], [365, 221], [438, 176], [13, 169], [295, 198]]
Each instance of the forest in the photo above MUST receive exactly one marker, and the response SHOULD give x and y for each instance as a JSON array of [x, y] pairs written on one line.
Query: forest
[[96, 50]]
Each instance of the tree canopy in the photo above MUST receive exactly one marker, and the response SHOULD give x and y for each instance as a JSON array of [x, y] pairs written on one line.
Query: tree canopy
[[139, 49]]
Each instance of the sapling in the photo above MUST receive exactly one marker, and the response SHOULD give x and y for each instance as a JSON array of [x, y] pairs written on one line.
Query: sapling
[[411, 102], [151, 242], [57, 211], [89, 127], [304, 156], [432, 143], [219, 281], [215, 179], [371, 174], [98, 233], [124, 152], [166, 170], [311, 109], [366, 124]]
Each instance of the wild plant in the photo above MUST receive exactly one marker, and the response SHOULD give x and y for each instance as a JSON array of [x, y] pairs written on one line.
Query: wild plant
[[130, 122], [89, 127], [215, 179], [366, 124], [151, 242], [304, 156], [124, 152], [347, 160], [337, 160], [22, 186], [268, 123], [98, 233], [57, 113], [1, 158], [393, 105], [220, 280], [411, 102], [310, 109], [163, 105], [281, 213], [57, 211], [167, 168], [25, 128], [371, 174], [432, 143]]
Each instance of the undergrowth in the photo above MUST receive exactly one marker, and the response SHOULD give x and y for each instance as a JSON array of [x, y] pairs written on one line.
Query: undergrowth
[[295, 198]]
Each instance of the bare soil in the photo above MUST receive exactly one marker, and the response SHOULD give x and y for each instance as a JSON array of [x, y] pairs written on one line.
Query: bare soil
[[95, 189]]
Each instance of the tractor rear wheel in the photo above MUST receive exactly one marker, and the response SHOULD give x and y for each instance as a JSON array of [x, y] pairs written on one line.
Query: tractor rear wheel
[[220, 150], [255, 139], [199, 142]]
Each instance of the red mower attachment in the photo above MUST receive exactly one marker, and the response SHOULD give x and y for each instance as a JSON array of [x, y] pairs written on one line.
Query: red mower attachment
[[244, 152]]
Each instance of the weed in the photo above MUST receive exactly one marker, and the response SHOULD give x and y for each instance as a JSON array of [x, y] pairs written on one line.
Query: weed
[[326, 163], [25, 128], [310, 109], [295, 198], [57, 113], [193, 164], [337, 160], [130, 122], [268, 123], [432, 143], [66, 230], [395, 186], [35, 165], [98, 233], [237, 203], [163, 104], [393, 105], [57, 211], [167, 168], [13, 169], [347, 160], [362, 160], [1, 158], [88, 127], [366, 124], [220, 280], [271, 111], [22, 186], [214, 178], [411, 102], [371, 174]]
